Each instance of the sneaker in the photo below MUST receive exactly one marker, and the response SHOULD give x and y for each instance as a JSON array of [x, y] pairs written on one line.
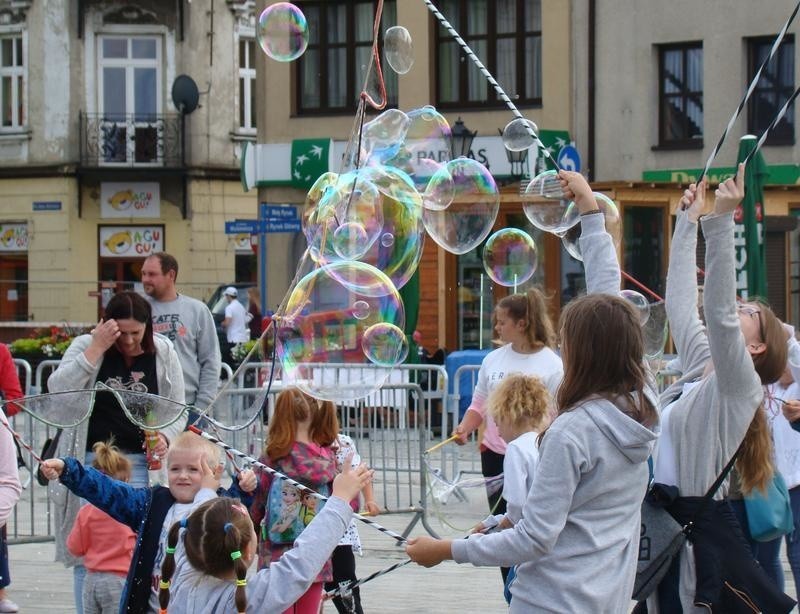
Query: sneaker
[[6, 605]]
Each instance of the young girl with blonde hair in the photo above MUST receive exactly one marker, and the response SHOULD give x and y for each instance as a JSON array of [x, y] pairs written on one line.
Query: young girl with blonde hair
[[105, 544], [519, 406]]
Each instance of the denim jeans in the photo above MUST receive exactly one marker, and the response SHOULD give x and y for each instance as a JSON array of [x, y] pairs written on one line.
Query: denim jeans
[[793, 539]]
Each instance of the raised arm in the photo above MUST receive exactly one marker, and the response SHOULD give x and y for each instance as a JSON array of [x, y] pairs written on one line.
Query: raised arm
[[733, 365], [597, 248]]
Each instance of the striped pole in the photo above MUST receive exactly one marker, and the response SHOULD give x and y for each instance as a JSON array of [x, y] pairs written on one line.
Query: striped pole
[[772, 125], [346, 588], [256, 463], [748, 93], [492, 81]]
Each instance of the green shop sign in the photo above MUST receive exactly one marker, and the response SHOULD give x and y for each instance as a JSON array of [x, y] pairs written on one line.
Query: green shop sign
[[779, 174]]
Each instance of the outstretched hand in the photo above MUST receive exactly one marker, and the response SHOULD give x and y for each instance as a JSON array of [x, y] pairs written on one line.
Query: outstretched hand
[[693, 200], [730, 192], [427, 551], [351, 480], [52, 468]]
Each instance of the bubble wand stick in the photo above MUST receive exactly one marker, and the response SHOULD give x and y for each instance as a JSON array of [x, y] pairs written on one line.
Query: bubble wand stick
[[258, 464]]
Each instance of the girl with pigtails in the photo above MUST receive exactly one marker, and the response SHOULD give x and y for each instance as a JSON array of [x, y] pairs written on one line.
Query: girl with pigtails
[[208, 554], [523, 326]]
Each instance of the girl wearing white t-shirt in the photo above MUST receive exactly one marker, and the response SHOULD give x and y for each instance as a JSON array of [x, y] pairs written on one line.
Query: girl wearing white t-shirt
[[523, 325]]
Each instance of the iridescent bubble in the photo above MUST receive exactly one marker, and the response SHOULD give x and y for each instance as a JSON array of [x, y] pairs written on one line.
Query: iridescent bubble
[[323, 323], [350, 240], [387, 240], [398, 49], [545, 206], [402, 219], [282, 31], [469, 217], [518, 134], [382, 137], [361, 310], [639, 303], [344, 216], [613, 223], [509, 257], [385, 345]]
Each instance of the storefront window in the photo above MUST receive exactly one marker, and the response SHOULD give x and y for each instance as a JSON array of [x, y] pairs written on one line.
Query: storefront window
[[13, 271], [644, 248]]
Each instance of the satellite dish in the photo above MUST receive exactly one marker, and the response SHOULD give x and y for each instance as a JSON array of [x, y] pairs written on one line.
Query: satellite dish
[[185, 94]]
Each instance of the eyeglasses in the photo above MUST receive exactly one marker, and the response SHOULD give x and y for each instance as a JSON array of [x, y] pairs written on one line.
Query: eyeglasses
[[751, 311]]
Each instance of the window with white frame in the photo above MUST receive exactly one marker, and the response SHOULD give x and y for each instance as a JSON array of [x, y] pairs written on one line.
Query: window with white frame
[[12, 81], [130, 99], [247, 85]]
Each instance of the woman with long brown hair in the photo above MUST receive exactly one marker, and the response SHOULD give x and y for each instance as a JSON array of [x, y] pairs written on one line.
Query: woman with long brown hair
[[713, 410], [576, 544]]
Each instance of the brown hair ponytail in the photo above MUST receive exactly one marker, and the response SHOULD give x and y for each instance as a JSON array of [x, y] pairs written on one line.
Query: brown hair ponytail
[[531, 307]]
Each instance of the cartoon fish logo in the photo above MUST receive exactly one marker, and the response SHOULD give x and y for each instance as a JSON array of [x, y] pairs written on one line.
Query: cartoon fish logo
[[121, 200], [119, 242], [7, 237]]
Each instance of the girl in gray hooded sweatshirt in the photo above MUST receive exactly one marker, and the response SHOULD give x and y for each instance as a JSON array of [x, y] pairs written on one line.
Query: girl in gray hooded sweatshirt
[[208, 554], [576, 545]]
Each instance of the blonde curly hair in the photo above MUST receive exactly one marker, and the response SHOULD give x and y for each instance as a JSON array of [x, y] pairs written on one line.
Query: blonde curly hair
[[520, 400]]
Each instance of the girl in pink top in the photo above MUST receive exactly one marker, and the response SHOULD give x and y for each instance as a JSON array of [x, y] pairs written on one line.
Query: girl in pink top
[[105, 544], [523, 326]]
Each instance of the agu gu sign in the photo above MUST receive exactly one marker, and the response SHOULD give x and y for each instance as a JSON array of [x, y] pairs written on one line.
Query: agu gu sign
[[130, 200], [130, 241]]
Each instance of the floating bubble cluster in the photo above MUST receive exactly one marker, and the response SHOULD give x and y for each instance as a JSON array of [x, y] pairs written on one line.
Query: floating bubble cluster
[[509, 257], [282, 31]]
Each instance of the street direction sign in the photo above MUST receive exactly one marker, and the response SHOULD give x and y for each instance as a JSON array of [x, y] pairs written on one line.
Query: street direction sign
[[569, 159], [282, 226], [277, 212], [237, 227]]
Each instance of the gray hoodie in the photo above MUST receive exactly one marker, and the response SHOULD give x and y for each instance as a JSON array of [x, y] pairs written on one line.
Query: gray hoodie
[[578, 540], [273, 589]]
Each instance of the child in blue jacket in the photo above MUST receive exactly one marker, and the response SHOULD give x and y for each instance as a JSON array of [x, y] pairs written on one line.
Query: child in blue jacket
[[193, 470]]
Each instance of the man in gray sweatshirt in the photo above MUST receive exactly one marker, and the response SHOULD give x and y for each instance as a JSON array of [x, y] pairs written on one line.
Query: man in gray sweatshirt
[[188, 323]]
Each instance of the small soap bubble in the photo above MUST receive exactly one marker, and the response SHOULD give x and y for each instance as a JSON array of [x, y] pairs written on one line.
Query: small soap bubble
[[282, 31], [518, 134], [510, 257], [398, 49]]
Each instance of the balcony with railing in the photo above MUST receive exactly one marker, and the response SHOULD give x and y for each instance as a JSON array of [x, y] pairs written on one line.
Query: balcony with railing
[[131, 141]]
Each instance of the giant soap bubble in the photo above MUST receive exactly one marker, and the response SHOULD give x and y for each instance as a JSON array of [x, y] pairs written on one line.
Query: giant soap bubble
[[325, 324], [468, 219]]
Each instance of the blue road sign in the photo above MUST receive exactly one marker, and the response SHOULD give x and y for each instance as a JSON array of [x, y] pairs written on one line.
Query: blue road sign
[[47, 205], [569, 159], [237, 227], [277, 212], [282, 226]]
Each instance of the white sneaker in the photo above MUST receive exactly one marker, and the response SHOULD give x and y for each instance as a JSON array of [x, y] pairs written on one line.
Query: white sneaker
[[6, 605]]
